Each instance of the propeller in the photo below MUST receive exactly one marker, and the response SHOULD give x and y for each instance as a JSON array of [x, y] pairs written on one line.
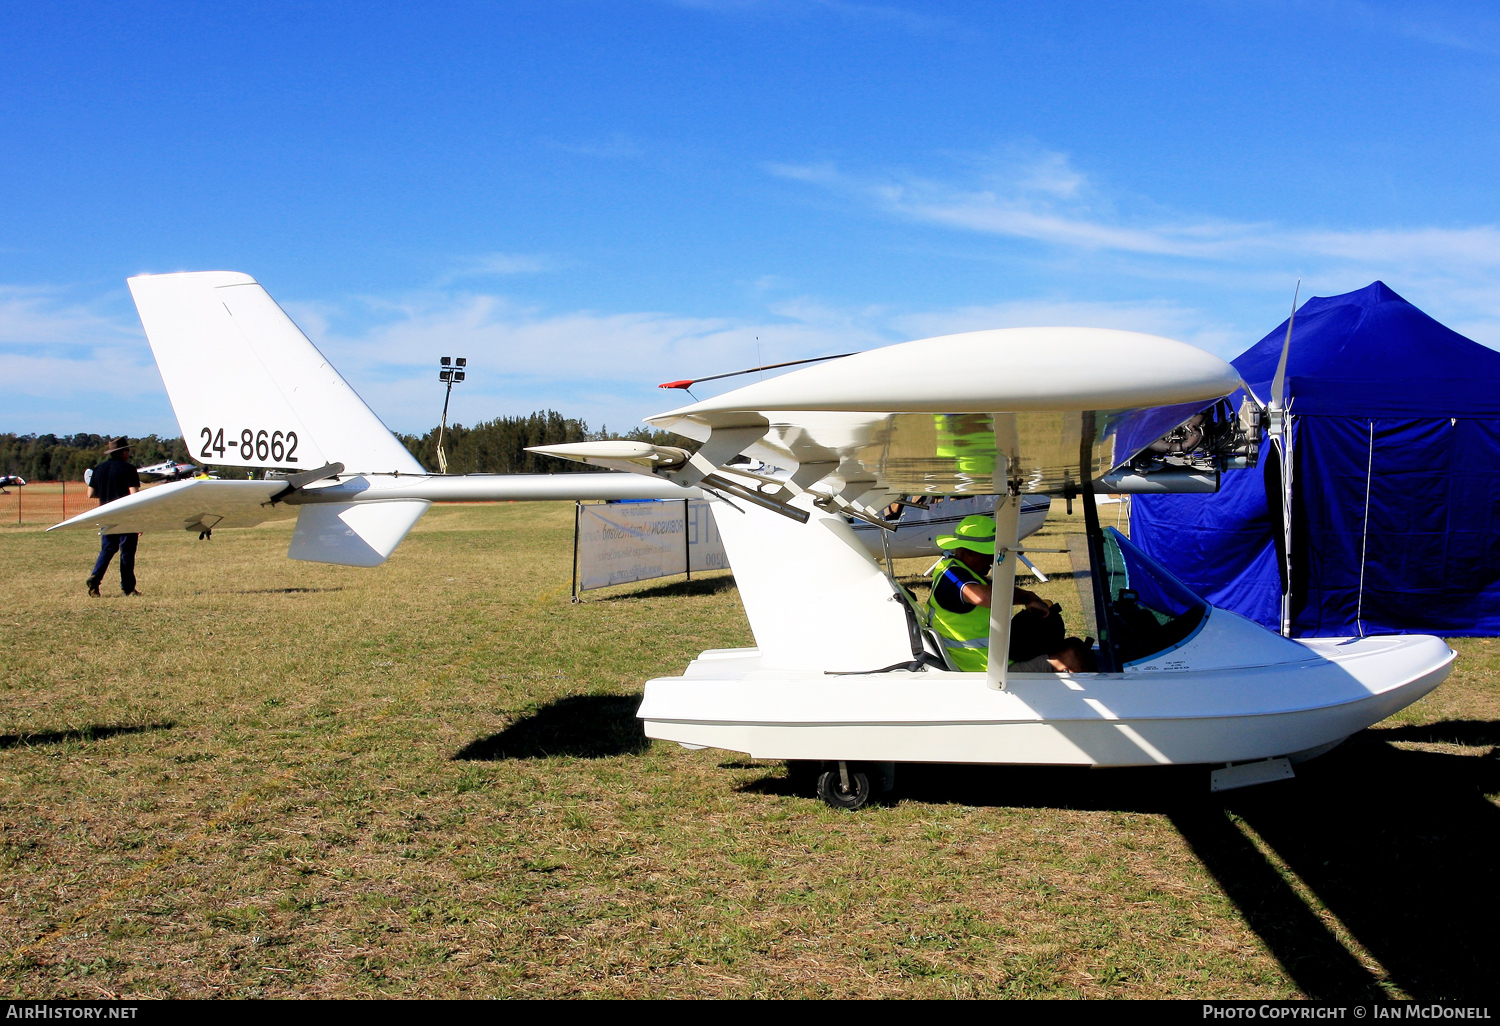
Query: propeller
[[1278, 431], [1277, 408]]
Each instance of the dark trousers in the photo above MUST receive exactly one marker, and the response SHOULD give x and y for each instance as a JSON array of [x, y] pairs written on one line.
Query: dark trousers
[[1033, 634], [125, 543]]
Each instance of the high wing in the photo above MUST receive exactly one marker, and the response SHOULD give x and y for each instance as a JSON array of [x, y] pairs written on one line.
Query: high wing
[[920, 418], [1021, 410]]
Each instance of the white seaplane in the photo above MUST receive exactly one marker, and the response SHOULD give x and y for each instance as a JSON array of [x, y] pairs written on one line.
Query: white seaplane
[[843, 673]]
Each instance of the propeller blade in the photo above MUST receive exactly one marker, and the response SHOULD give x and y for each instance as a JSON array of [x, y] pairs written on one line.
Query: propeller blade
[[1278, 383], [1281, 453]]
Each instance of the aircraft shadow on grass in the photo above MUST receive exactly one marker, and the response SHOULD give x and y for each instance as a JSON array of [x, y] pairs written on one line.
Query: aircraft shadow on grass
[[702, 586], [96, 732], [1398, 844], [581, 726]]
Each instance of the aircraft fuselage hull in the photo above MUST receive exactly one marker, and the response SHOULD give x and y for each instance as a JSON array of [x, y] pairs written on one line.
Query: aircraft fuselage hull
[[1136, 718]]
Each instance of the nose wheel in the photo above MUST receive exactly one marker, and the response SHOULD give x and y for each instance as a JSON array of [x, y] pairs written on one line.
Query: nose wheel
[[844, 787]]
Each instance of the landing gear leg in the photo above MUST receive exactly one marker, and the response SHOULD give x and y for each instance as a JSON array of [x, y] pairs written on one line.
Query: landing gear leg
[[844, 787]]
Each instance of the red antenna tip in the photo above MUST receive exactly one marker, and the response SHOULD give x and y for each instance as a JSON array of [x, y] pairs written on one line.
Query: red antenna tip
[[685, 383]]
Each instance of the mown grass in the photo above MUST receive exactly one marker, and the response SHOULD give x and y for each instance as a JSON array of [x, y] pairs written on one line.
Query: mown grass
[[269, 778]]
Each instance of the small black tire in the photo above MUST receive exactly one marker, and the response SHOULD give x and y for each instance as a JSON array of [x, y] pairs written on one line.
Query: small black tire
[[831, 789]]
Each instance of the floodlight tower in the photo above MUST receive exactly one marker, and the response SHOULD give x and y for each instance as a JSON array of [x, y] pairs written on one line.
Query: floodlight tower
[[452, 372]]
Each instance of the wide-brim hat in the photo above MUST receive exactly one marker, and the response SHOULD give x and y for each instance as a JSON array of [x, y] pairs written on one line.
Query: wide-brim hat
[[119, 443], [976, 533]]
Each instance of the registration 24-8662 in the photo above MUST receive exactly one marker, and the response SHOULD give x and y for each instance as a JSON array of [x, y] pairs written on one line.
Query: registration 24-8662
[[261, 445]]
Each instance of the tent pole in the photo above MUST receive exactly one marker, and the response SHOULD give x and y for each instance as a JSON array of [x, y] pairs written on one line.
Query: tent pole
[[1364, 536], [1286, 527], [687, 541], [577, 515]]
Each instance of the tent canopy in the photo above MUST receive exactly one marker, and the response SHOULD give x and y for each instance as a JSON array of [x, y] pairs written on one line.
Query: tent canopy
[[1372, 354], [1396, 494]]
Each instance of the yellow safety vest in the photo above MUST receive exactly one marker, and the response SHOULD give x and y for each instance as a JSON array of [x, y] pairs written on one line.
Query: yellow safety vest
[[965, 636]]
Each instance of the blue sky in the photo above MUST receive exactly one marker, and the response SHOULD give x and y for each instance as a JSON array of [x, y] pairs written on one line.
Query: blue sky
[[589, 198]]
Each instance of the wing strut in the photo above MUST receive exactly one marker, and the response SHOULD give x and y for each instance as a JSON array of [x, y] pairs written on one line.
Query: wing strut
[[1007, 541]]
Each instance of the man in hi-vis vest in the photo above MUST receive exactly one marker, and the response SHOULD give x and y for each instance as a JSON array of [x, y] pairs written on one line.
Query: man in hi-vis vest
[[959, 606]]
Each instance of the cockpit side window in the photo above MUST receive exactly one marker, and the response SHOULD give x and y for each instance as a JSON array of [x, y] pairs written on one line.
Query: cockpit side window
[[1152, 610]]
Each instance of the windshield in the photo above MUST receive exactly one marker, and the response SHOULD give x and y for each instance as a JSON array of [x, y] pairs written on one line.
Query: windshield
[[1152, 610]]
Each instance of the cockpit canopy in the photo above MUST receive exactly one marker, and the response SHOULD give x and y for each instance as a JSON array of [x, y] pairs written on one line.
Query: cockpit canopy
[[1150, 610]]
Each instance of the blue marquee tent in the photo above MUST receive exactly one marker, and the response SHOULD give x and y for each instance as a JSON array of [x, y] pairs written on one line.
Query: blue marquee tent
[[1396, 481]]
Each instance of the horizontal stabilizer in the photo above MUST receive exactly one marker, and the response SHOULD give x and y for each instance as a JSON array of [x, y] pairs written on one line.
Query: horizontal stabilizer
[[353, 533], [196, 505]]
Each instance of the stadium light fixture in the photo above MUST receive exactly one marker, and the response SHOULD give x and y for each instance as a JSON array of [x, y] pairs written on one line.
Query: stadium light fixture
[[450, 371]]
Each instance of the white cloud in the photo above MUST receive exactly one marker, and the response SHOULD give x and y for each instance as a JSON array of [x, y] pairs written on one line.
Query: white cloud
[[50, 347], [70, 366], [1477, 247], [1036, 196], [1045, 199], [604, 367], [1039, 197], [1154, 318], [598, 365], [1473, 31], [497, 265], [35, 315]]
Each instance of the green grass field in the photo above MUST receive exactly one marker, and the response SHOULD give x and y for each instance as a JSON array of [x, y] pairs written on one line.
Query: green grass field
[[268, 778]]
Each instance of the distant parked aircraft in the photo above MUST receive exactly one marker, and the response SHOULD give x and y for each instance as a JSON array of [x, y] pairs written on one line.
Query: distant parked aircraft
[[170, 470]]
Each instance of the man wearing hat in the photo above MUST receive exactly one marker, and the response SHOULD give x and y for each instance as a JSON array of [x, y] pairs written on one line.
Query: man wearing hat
[[114, 479], [959, 606]]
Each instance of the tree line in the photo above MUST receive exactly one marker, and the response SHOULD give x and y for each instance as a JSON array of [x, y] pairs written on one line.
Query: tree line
[[65, 457], [490, 447], [499, 446]]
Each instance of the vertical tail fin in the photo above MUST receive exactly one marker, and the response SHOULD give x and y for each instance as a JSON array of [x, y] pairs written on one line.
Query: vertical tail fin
[[249, 389]]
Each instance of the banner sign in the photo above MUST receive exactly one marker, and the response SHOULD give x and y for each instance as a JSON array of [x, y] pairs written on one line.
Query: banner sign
[[621, 542]]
